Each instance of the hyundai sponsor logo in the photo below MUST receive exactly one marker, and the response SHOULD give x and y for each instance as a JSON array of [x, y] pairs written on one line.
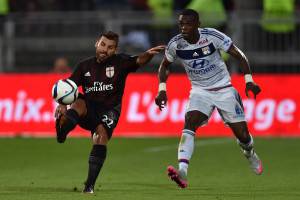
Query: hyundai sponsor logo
[[199, 63], [202, 71]]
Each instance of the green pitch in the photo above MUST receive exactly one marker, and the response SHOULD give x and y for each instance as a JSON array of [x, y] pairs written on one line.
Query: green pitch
[[135, 169]]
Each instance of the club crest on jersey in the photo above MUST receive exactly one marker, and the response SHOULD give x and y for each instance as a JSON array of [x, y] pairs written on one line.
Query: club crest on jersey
[[110, 71], [206, 50], [203, 41]]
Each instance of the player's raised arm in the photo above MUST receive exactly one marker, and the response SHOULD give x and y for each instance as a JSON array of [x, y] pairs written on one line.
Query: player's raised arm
[[145, 57], [244, 64], [163, 72]]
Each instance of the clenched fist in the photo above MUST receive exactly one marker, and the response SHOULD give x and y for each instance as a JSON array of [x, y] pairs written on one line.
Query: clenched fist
[[161, 99], [251, 86]]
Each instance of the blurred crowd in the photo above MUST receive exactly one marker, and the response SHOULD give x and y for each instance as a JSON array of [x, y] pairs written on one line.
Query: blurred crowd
[[277, 29], [87, 5]]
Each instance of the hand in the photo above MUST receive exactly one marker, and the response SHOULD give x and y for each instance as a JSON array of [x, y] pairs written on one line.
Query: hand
[[60, 110], [156, 50], [252, 87], [161, 100], [145, 57]]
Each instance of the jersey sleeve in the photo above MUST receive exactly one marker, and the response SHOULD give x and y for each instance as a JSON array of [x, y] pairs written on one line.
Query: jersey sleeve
[[129, 63], [77, 74], [170, 52], [221, 40]]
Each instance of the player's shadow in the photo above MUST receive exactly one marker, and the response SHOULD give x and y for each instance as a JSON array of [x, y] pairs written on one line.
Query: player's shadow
[[34, 189], [135, 186], [211, 192]]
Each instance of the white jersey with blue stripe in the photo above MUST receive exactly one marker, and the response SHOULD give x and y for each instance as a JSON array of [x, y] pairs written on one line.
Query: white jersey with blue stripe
[[202, 61]]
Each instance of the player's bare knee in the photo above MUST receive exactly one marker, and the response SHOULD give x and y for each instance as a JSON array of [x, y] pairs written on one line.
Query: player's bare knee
[[100, 136], [193, 120], [190, 124], [80, 107]]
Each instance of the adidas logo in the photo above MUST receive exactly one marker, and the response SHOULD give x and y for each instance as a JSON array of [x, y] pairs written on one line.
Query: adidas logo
[[195, 54], [87, 74]]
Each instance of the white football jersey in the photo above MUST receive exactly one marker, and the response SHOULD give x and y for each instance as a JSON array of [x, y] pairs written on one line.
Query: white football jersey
[[202, 61]]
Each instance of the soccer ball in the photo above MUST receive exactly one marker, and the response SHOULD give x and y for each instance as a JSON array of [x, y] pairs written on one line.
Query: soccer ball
[[65, 91]]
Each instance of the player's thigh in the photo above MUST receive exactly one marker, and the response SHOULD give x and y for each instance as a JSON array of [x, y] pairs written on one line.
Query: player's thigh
[[193, 119], [200, 100], [80, 107], [109, 120], [104, 130], [199, 109], [229, 105], [102, 124]]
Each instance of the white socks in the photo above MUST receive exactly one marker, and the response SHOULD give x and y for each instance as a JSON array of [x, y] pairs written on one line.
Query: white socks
[[185, 149], [247, 147], [183, 167]]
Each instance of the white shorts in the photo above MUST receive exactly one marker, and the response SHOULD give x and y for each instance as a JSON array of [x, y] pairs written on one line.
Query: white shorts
[[227, 101]]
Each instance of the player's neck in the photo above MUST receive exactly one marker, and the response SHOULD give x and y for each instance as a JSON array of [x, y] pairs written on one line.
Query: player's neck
[[194, 38], [101, 61]]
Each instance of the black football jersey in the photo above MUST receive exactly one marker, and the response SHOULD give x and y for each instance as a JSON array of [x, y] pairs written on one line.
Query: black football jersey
[[104, 82]]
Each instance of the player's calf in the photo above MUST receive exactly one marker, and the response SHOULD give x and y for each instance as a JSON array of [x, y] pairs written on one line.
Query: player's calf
[[65, 123], [185, 149], [96, 161]]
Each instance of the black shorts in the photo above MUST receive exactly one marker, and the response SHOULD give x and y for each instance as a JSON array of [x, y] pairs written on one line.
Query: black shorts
[[99, 114]]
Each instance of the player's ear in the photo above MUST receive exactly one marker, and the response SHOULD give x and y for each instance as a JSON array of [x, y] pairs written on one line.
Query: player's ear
[[96, 44]]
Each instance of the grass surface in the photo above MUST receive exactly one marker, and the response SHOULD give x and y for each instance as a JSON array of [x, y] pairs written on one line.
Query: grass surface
[[36, 169]]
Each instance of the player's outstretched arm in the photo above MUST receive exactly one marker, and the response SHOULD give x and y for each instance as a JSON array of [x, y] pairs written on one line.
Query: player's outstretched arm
[[244, 64], [145, 57], [163, 72]]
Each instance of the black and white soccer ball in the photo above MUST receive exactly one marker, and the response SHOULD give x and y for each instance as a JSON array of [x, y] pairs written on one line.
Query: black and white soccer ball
[[65, 91]]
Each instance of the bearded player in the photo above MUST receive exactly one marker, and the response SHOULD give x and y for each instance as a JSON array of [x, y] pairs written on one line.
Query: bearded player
[[102, 78]]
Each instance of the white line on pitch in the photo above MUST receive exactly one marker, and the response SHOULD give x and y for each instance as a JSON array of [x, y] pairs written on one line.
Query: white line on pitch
[[197, 143]]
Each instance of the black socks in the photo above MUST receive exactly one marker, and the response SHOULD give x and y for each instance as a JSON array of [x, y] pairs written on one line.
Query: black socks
[[96, 160]]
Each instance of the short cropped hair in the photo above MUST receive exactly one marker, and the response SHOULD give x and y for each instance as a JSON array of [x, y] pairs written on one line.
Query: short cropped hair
[[111, 36], [190, 12]]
